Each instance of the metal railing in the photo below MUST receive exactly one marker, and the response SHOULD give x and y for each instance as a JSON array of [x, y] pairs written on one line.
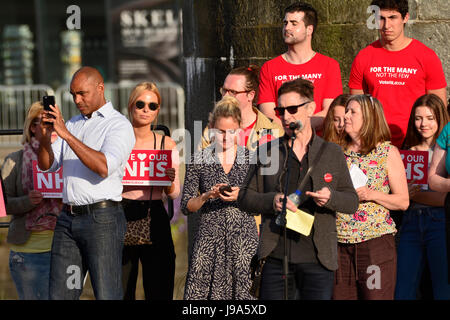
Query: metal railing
[[158, 127], [14, 101]]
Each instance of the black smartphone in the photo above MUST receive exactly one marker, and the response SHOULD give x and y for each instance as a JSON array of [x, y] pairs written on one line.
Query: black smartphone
[[222, 189], [48, 101]]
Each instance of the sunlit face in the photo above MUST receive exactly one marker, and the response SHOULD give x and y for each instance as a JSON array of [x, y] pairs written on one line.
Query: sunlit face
[[234, 85], [392, 25], [339, 118], [144, 116], [226, 131], [303, 113], [294, 30], [87, 94], [353, 119], [425, 122]]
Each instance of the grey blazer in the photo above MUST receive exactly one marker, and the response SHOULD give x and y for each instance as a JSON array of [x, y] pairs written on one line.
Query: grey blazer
[[257, 194]]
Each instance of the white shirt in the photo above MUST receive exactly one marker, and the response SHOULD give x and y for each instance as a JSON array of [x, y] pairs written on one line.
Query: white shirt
[[107, 131]]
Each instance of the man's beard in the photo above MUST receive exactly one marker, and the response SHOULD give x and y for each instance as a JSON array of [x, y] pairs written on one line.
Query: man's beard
[[294, 40]]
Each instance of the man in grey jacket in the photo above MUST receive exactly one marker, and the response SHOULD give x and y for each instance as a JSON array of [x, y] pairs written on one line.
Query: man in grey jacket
[[328, 189]]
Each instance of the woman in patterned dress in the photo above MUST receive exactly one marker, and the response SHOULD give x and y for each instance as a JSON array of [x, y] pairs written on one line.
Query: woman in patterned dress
[[366, 247], [227, 237]]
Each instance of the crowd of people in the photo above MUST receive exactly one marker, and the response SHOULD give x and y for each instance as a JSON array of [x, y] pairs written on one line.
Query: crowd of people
[[284, 129]]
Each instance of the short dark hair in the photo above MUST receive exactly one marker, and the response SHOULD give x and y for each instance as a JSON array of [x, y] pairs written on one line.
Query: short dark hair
[[397, 5], [310, 17], [303, 87]]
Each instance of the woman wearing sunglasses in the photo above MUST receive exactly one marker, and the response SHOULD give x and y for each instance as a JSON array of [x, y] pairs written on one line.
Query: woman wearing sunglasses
[[143, 206], [33, 218], [227, 237]]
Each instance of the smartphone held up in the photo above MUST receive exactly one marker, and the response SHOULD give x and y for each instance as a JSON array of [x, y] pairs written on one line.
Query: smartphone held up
[[48, 101]]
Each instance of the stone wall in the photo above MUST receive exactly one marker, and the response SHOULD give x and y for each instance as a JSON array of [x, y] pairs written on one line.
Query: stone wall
[[341, 33], [221, 34]]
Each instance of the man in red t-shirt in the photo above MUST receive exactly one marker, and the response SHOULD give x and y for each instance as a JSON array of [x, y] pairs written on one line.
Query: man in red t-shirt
[[300, 61], [396, 69]]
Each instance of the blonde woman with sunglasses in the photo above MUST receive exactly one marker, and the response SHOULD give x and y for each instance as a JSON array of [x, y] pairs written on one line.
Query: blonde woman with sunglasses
[[144, 208]]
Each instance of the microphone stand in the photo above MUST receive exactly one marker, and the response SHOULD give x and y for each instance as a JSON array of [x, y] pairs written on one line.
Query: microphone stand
[[283, 220]]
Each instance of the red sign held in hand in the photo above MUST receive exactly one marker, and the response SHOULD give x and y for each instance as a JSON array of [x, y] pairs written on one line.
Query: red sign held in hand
[[416, 165], [148, 168], [50, 184]]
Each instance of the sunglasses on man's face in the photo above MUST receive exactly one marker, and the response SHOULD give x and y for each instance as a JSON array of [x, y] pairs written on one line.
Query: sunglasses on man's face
[[290, 109], [152, 105]]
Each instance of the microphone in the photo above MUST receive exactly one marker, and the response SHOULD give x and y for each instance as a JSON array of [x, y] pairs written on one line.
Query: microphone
[[297, 125]]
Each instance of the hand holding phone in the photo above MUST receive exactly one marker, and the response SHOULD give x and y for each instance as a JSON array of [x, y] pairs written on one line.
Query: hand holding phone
[[227, 188], [48, 101]]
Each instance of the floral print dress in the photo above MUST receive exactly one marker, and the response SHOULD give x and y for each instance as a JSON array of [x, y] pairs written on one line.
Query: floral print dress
[[371, 220], [227, 237]]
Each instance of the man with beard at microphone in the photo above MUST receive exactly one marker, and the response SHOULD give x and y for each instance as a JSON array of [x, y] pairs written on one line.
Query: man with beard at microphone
[[325, 189]]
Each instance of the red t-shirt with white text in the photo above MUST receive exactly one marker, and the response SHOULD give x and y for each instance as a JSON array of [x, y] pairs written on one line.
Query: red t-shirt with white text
[[322, 71], [397, 79]]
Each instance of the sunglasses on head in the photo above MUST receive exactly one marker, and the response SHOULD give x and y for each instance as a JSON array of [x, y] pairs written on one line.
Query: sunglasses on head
[[290, 109], [152, 105]]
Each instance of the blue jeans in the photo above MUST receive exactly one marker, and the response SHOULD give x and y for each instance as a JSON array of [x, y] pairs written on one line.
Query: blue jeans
[[30, 273], [91, 242], [307, 281], [422, 236]]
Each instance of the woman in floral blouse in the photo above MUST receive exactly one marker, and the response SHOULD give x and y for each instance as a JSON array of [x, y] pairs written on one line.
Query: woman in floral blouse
[[366, 247]]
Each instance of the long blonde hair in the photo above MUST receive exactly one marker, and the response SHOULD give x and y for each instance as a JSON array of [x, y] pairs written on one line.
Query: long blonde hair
[[33, 112], [227, 107]]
